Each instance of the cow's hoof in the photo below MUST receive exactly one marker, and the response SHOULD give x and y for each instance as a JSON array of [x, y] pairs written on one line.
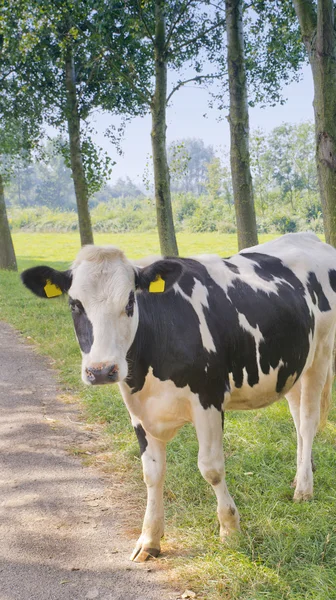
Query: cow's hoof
[[142, 553], [302, 496]]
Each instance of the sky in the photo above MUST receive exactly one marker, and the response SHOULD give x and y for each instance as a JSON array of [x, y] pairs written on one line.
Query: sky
[[185, 120]]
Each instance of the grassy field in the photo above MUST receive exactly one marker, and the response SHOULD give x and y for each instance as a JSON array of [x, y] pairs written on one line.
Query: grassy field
[[64, 246], [285, 550]]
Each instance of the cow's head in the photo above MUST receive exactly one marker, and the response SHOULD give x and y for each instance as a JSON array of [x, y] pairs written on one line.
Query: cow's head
[[102, 286]]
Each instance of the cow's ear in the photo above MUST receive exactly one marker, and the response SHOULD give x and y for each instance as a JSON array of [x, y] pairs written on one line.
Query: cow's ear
[[160, 276], [47, 282]]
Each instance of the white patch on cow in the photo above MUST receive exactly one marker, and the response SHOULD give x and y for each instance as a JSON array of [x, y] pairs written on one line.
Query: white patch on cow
[[217, 270], [199, 300], [160, 406], [255, 332], [301, 253], [261, 394], [226, 278]]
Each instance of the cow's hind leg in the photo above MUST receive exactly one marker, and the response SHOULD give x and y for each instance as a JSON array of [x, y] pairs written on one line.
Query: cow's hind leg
[[153, 456], [314, 384], [208, 424], [293, 397]]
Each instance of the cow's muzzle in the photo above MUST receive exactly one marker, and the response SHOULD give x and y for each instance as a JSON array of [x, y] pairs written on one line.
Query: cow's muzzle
[[102, 373]]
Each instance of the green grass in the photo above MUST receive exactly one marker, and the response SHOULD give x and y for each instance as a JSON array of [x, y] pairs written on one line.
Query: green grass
[[285, 550], [31, 247]]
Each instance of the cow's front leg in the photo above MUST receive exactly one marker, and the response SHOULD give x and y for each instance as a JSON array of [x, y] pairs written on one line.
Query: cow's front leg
[[153, 456], [208, 424]]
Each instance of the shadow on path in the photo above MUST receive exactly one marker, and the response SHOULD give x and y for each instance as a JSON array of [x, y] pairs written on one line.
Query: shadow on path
[[61, 534]]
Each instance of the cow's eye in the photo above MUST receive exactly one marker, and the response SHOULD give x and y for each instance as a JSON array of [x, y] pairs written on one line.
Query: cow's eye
[[130, 305]]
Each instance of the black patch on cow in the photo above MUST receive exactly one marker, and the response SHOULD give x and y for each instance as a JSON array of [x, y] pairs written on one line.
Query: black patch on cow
[[312, 316], [332, 279], [82, 325], [168, 338], [231, 266], [268, 267], [316, 293], [141, 435], [130, 305]]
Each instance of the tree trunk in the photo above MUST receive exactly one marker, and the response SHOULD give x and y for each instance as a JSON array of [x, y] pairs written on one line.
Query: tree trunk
[[164, 211], [239, 127], [319, 37], [7, 254], [78, 174]]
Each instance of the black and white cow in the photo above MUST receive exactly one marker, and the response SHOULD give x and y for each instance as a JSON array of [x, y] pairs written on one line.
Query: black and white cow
[[209, 335]]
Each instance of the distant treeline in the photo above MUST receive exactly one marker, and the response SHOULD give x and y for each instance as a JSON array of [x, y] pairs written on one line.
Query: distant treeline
[[285, 188]]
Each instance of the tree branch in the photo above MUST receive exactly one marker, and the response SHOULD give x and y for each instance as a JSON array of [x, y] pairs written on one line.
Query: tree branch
[[144, 22], [147, 97], [197, 37], [218, 6], [195, 79], [176, 21]]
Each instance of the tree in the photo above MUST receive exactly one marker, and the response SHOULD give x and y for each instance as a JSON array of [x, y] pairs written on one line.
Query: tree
[[317, 22], [260, 61], [7, 254], [188, 159], [43, 180], [175, 33], [239, 127], [305, 159], [261, 168], [20, 127], [69, 50], [15, 138], [283, 167], [291, 160], [158, 135], [283, 151], [214, 182], [124, 188]]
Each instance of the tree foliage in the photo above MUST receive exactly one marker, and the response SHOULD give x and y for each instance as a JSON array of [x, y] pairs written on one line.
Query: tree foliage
[[273, 49], [284, 173], [188, 159]]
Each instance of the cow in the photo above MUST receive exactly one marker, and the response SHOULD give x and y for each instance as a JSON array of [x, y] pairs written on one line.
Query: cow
[[187, 339]]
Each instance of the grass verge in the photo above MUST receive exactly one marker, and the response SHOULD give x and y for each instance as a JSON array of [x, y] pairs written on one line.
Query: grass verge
[[285, 550]]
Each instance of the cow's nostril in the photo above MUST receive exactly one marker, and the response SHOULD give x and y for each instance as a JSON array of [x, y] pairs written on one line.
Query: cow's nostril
[[90, 374], [113, 371]]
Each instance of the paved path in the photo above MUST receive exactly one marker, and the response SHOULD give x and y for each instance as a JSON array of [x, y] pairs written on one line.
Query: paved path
[[61, 532]]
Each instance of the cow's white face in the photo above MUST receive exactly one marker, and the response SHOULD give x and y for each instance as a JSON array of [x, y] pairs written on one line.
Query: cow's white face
[[105, 312]]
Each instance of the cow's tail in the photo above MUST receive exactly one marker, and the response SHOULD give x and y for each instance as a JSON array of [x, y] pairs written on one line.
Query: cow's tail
[[326, 397]]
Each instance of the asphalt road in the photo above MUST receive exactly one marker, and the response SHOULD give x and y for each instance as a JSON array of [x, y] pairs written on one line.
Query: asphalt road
[[62, 533]]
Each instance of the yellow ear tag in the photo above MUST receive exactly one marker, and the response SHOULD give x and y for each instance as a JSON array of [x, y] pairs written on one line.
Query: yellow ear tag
[[158, 285], [52, 290]]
